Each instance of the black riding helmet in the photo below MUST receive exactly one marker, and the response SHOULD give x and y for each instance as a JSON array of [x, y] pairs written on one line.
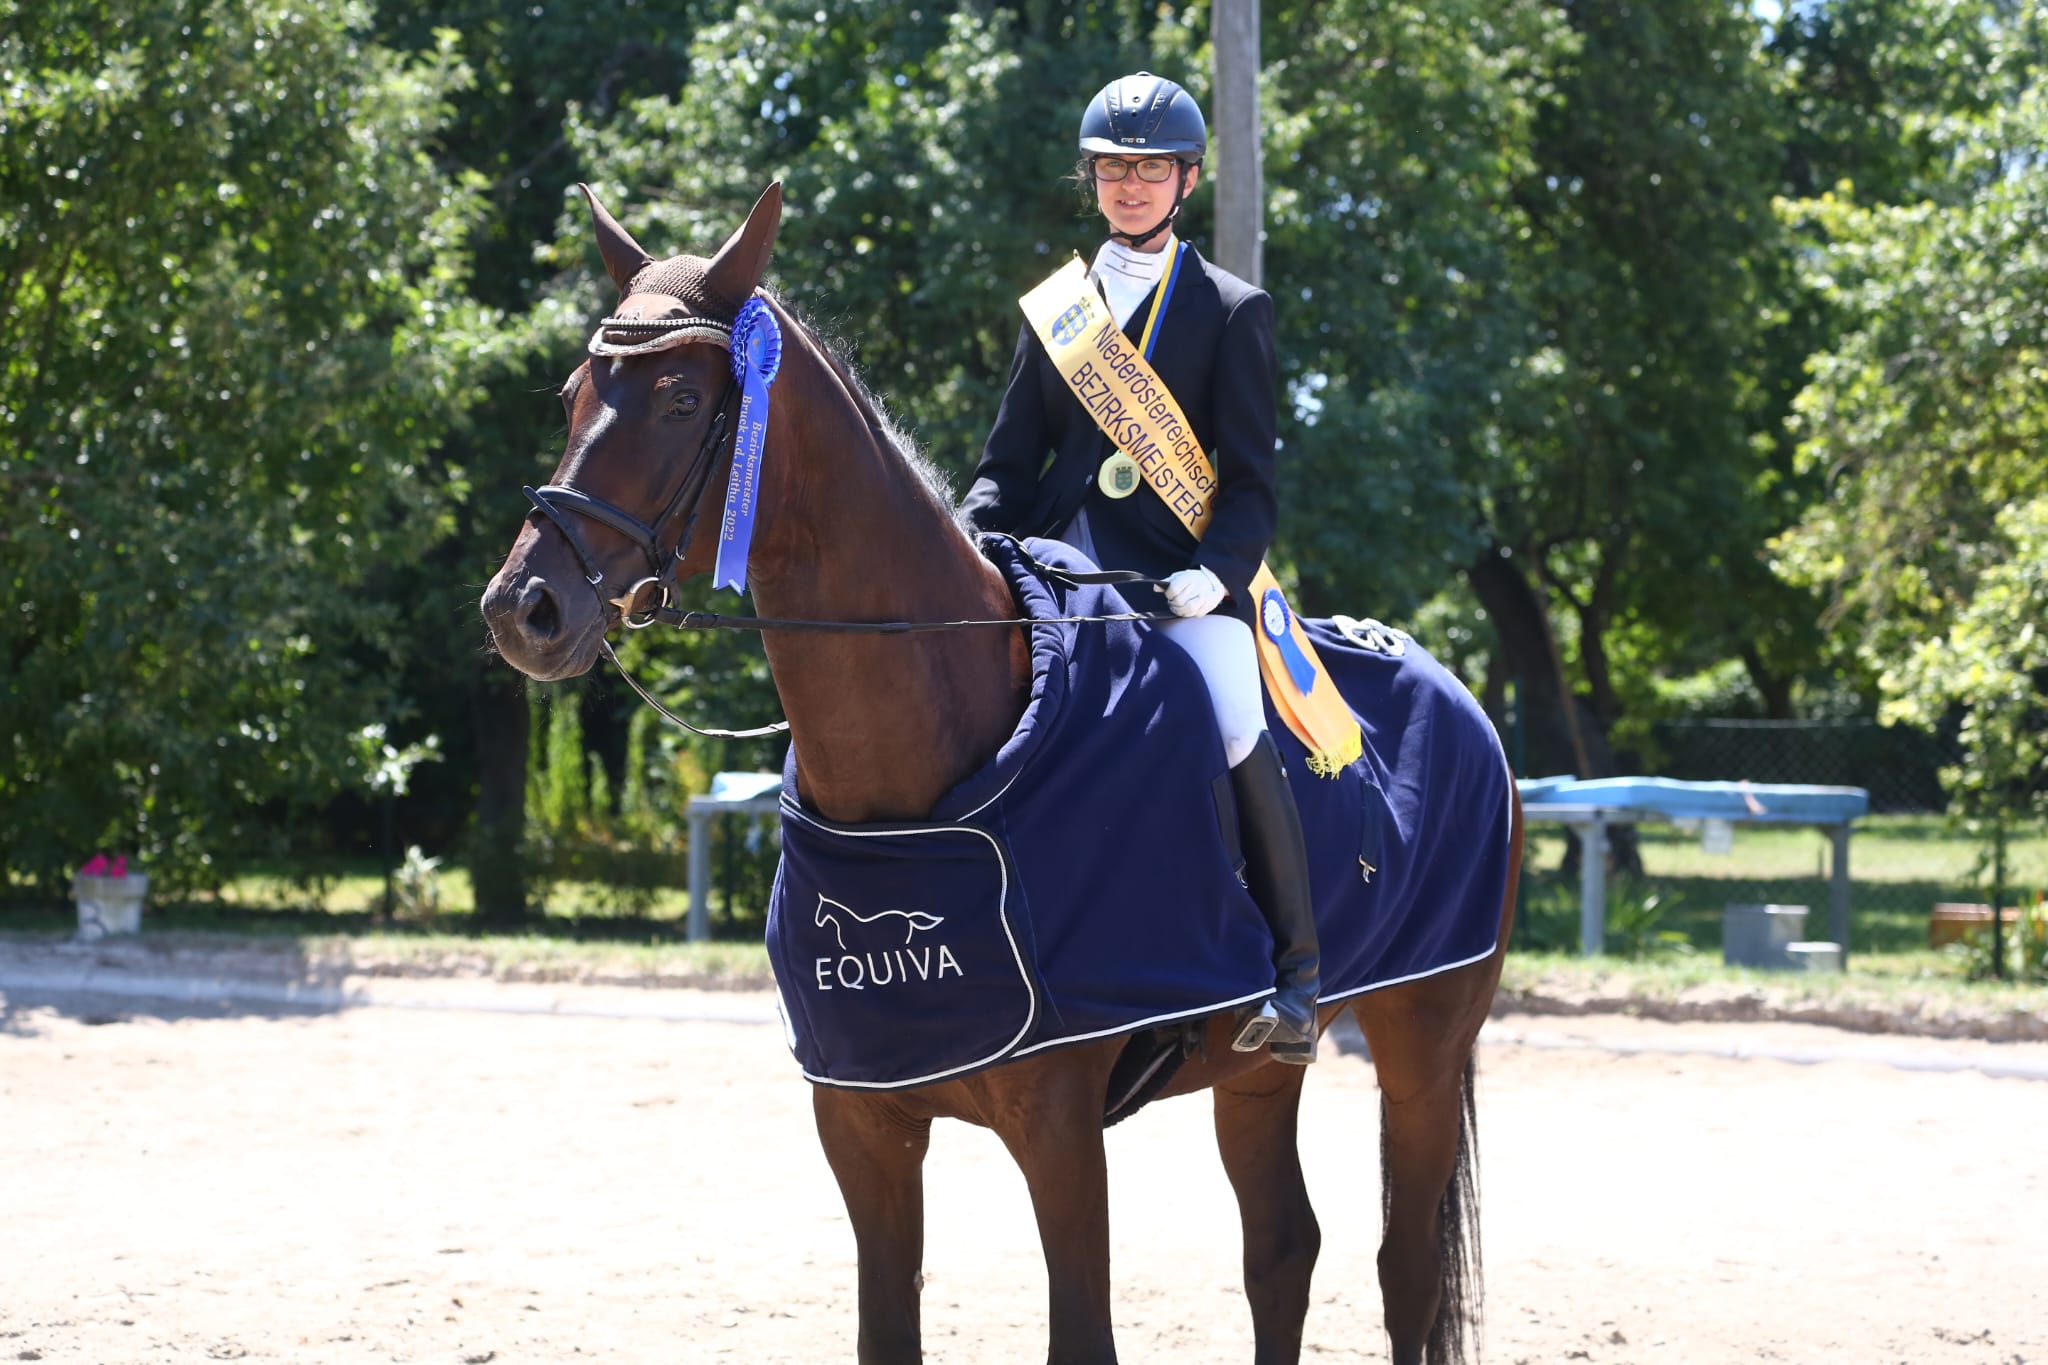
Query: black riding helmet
[[1144, 115]]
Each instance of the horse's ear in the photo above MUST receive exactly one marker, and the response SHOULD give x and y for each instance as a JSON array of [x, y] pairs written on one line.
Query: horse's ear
[[623, 257], [740, 263]]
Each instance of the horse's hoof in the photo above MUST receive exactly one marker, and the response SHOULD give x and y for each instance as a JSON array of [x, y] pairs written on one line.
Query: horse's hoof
[[1257, 1028]]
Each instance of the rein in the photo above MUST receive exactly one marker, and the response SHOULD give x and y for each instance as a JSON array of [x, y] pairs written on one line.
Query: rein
[[557, 501], [666, 615], [663, 614]]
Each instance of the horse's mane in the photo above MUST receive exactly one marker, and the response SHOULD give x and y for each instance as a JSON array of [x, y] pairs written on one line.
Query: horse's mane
[[932, 479]]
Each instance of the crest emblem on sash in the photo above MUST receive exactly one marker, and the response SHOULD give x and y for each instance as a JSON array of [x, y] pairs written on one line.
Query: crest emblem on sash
[[1119, 476], [1071, 323]]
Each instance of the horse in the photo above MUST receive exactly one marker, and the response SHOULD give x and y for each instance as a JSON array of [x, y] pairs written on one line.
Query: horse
[[854, 526]]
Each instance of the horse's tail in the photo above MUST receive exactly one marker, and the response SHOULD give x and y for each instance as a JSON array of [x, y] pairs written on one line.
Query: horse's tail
[[1463, 1283]]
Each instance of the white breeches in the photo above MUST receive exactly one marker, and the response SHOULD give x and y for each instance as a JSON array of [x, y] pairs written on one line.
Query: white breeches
[[1222, 647]]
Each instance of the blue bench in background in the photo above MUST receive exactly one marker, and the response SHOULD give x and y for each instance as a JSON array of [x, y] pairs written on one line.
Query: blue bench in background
[[1589, 807]]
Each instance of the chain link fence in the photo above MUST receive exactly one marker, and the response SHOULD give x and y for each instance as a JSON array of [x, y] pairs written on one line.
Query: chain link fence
[[1899, 767]]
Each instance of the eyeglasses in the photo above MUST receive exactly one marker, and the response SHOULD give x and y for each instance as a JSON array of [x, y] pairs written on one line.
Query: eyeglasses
[[1152, 170]]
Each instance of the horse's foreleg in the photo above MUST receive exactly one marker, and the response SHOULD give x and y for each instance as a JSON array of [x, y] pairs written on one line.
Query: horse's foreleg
[[876, 1147], [1054, 1131], [1255, 1133]]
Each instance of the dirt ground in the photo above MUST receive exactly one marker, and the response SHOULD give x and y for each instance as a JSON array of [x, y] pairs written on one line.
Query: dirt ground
[[191, 1183]]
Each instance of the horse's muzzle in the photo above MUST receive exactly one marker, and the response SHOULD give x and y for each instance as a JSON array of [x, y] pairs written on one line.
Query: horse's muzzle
[[542, 631]]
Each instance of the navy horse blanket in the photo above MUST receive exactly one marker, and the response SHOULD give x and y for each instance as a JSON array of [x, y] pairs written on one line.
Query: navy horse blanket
[[1083, 884]]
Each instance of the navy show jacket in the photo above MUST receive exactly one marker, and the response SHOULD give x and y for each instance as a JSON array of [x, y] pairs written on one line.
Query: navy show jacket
[[1215, 353]]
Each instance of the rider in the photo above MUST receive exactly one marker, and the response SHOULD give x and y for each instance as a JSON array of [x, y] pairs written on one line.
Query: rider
[[1142, 142]]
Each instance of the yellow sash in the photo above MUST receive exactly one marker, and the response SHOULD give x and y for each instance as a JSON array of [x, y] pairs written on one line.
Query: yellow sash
[[1119, 389]]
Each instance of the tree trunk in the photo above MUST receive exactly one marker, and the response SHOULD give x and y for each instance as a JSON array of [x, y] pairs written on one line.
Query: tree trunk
[[1561, 733], [497, 867], [1528, 656], [1774, 688]]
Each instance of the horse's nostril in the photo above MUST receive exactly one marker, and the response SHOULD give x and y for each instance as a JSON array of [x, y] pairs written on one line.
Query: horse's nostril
[[539, 616]]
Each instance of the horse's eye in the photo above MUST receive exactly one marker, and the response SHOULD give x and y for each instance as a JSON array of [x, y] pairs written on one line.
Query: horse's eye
[[684, 405]]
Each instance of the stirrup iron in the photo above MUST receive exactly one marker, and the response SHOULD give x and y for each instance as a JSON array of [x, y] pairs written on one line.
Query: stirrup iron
[[1256, 1029]]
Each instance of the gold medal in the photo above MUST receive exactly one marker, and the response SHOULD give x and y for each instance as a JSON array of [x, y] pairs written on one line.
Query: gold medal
[[1119, 476]]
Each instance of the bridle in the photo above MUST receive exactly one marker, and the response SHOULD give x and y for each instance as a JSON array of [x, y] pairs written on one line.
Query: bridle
[[557, 501]]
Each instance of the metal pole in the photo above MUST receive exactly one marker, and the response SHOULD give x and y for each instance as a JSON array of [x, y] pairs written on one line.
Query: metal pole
[[1998, 898], [1838, 889], [1240, 185], [700, 874], [1592, 886]]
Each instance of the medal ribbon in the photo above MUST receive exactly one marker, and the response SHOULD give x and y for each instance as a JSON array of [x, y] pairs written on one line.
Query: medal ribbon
[[1121, 392], [1150, 337], [756, 356]]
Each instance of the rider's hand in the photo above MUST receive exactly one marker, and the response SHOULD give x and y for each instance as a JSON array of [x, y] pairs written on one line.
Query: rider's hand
[[1194, 592]]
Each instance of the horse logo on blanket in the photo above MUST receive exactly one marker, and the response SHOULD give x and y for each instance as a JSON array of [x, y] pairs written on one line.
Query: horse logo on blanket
[[830, 912]]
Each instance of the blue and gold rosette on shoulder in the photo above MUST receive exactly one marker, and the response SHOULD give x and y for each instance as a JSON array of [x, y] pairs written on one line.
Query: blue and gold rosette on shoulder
[[756, 356]]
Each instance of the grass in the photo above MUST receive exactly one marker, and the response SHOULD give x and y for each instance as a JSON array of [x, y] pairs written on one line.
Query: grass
[[585, 930], [1886, 852], [346, 899], [1900, 868]]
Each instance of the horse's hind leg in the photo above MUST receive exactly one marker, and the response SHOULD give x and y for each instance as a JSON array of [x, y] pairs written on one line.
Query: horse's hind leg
[[1255, 1132], [1421, 1036], [876, 1147]]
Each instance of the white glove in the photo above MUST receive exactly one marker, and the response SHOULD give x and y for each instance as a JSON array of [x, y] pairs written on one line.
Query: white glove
[[1194, 592]]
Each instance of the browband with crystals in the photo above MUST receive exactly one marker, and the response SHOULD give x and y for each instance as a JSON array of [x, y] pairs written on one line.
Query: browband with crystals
[[668, 333]]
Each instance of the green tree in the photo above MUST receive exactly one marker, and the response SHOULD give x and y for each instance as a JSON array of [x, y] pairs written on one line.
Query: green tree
[[232, 322], [922, 149], [534, 64], [1623, 516], [1929, 417], [1398, 138]]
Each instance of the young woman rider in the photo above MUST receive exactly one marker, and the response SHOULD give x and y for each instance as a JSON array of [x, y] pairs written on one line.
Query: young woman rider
[[1142, 142]]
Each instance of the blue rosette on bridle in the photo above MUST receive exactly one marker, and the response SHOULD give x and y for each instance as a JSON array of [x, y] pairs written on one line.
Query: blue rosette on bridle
[[756, 356]]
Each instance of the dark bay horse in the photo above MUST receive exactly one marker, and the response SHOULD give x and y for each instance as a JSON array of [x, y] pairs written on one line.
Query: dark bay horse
[[853, 527]]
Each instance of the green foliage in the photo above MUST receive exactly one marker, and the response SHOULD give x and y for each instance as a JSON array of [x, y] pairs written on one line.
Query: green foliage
[[416, 887], [1400, 150], [623, 850], [2024, 944], [386, 768], [1638, 919], [558, 804], [1546, 915], [259, 262], [233, 327], [1930, 416], [921, 147], [1636, 927], [1633, 481]]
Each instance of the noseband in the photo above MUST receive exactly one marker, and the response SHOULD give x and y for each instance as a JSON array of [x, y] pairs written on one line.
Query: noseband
[[557, 501]]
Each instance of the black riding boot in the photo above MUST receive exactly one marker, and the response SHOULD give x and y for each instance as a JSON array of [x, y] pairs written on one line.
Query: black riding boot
[[1276, 873]]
